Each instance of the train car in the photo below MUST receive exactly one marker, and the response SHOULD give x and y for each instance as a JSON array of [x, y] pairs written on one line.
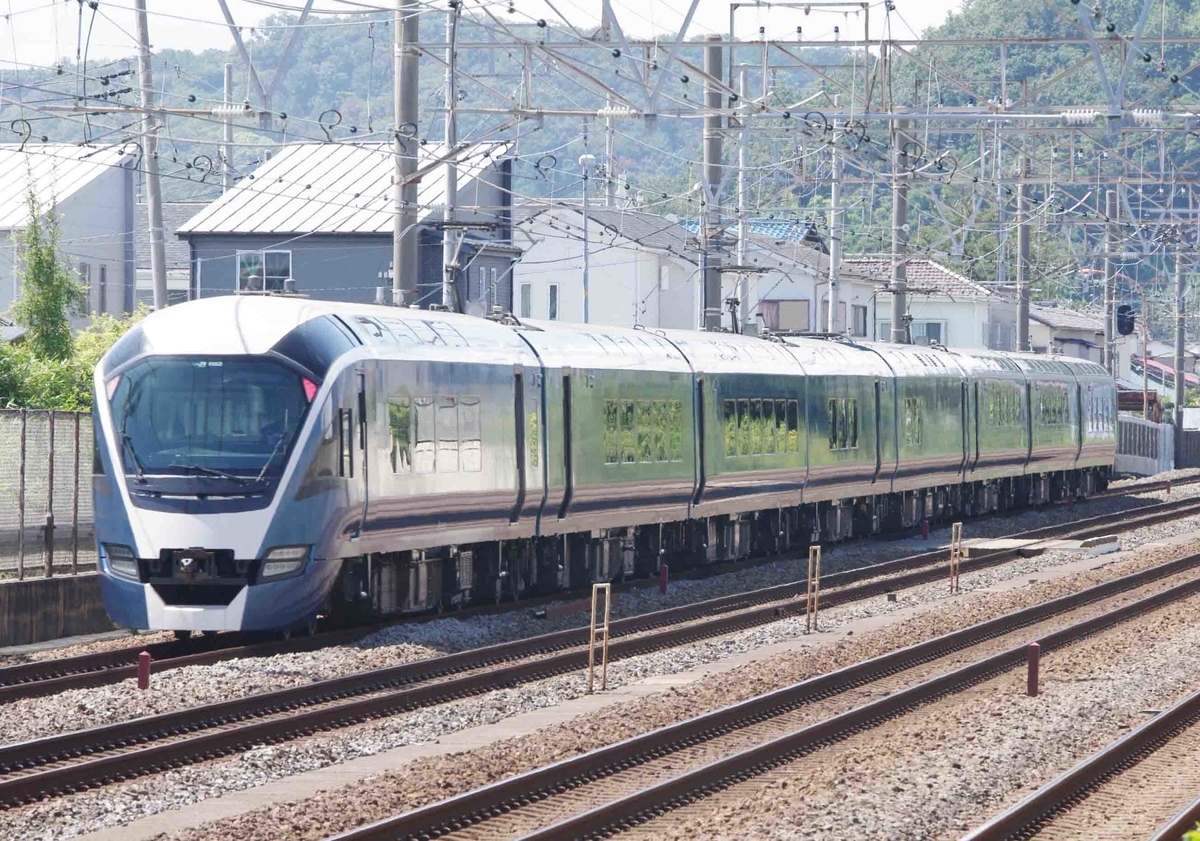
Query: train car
[[264, 462]]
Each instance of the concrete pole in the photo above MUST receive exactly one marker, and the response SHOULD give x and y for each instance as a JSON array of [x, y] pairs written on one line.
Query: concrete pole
[[1180, 374], [405, 62], [227, 133], [899, 231], [1023, 257], [158, 258], [450, 237], [610, 140], [835, 226], [712, 183], [1110, 282], [742, 207], [585, 163], [1145, 355]]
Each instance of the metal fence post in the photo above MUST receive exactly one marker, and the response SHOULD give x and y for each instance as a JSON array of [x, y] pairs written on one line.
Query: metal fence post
[[75, 506], [21, 504], [48, 535]]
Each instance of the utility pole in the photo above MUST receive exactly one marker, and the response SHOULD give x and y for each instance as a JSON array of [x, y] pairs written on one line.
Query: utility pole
[[158, 259], [585, 163], [712, 182], [1023, 256], [899, 232], [743, 224], [1180, 375], [227, 133], [405, 61], [835, 225], [450, 238], [610, 140], [1145, 356], [1110, 282]]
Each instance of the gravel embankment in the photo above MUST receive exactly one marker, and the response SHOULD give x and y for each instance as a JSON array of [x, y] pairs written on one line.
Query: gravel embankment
[[436, 778], [949, 766], [176, 688]]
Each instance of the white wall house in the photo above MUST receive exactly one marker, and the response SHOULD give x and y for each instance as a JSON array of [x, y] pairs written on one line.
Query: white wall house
[[643, 269], [792, 293], [945, 306]]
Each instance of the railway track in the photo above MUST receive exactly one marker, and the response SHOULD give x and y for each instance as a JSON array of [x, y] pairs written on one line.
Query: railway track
[[48, 677], [621, 786], [1125, 790], [35, 769]]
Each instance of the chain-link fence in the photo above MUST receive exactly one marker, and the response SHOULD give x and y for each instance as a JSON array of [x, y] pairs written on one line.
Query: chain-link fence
[[45, 493]]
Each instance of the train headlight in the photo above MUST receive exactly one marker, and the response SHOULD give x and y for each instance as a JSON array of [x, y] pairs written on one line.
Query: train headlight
[[283, 561], [121, 560]]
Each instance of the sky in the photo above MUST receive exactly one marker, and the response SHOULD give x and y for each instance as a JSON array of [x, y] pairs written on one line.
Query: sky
[[38, 32]]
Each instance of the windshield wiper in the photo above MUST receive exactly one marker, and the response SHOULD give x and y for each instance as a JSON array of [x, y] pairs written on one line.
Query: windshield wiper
[[137, 462], [208, 471], [270, 459]]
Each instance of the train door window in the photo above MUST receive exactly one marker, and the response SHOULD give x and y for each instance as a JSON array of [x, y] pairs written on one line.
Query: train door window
[[756, 434], [731, 429], [424, 455], [743, 425], [612, 433], [471, 445], [793, 426], [447, 435], [531, 436], [658, 411], [628, 439], [852, 424], [675, 430], [644, 423], [400, 424], [912, 421], [346, 443]]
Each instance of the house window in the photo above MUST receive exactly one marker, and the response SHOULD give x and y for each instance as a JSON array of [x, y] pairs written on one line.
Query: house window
[[841, 318], [884, 332], [85, 279], [664, 278], [934, 331], [526, 300], [552, 308], [859, 325], [263, 271], [794, 315], [102, 306], [493, 288]]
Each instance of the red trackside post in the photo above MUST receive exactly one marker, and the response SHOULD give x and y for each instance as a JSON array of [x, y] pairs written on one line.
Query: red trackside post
[[1034, 655], [924, 529], [144, 670], [663, 573]]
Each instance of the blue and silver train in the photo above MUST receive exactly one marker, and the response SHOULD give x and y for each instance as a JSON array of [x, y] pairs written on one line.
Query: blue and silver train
[[265, 461]]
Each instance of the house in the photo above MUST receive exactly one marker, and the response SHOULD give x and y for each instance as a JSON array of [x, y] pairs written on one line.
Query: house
[[322, 215], [92, 190], [645, 269], [945, 306], [1054, 328], [642, 268], [179, 258], [1164, 352]]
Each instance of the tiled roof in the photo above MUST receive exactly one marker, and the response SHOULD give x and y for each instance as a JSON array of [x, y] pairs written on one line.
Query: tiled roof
[[54, 171], [923, 277], [333, 188], [1062, 318], [175, 213], [790, 230]]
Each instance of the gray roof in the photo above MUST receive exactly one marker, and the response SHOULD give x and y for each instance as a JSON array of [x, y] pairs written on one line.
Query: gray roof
[[646, 229], [175, 213], [1061, 318], [333, 188], [922, 276], [54, 171]]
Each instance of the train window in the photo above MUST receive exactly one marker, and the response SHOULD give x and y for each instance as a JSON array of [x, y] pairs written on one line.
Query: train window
[[662, 432], [832, 417], [424, 458], [470, 444], [447, 435], [756, 431], [852, 424], [843, 423], [448, 334], [426, 334], [628, 441], [731, 437], [400, 423], [612, 435], [346, 443], [912, 421], [793, 426], [743, 425], [769, 426], [644, 423], [675, 430], [531, 435], [399, 330]]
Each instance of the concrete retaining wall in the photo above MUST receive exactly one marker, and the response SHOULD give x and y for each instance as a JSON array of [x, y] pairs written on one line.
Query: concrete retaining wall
[[40, 609]]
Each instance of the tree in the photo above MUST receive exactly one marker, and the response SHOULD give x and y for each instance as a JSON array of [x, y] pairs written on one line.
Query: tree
[[48, 294]]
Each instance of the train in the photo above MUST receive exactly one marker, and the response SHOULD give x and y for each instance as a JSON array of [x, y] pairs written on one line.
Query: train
[[263, 462]]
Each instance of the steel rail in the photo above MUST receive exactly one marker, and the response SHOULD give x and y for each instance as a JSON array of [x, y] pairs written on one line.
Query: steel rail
[[1060, 794], [546, 782], [430, 681], [46, 677], [1180, 824]]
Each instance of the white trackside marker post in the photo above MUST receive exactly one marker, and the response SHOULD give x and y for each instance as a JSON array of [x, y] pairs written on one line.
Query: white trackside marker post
[[814, 589], [956, 553], [602, 630]]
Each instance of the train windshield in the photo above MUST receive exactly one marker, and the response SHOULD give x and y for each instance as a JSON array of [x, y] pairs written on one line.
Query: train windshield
[[218, 419]]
